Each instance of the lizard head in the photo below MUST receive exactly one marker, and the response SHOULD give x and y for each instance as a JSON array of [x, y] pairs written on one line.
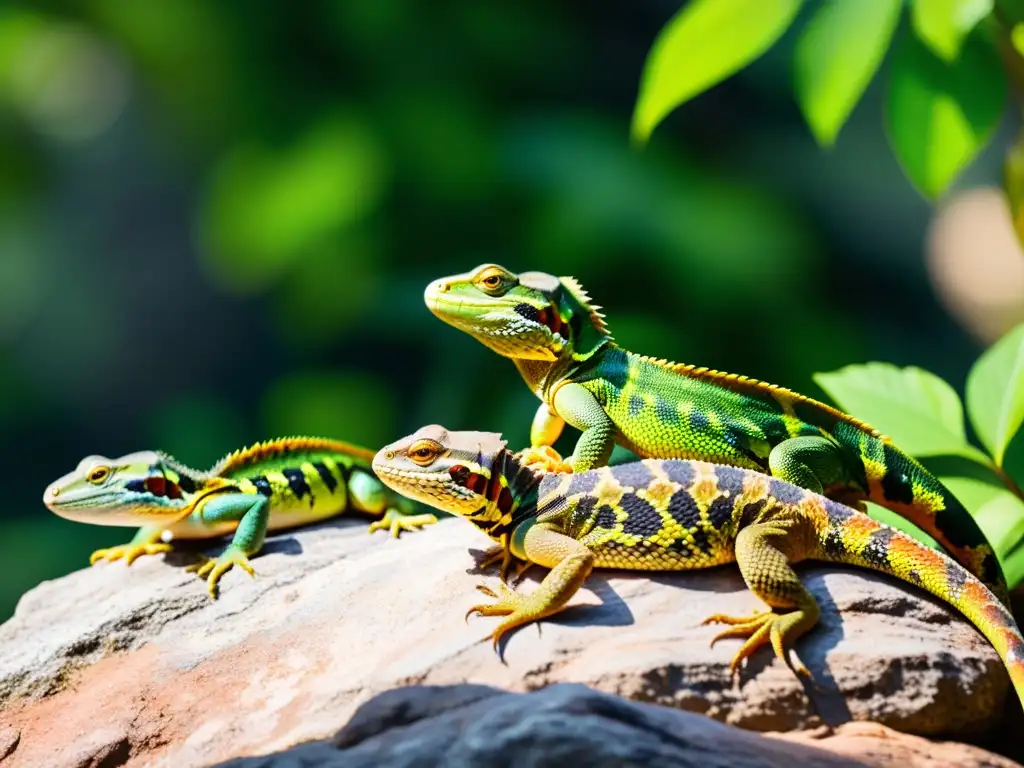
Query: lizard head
[[138, 489], [529, 316], [450, 471]]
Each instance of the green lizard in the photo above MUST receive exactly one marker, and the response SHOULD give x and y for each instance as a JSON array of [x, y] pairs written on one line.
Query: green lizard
[[561, 345], [669, 515], [271, 485]]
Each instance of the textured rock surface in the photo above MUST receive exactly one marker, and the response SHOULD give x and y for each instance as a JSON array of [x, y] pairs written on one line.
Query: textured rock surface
[[471, 725], [137, 666]]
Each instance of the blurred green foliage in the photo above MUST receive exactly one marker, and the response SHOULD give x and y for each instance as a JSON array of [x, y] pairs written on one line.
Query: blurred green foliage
[[947, 85], [217, 221]]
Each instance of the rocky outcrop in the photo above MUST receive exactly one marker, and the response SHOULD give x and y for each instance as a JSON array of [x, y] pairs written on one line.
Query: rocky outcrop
[[137, 666], [473, 725]]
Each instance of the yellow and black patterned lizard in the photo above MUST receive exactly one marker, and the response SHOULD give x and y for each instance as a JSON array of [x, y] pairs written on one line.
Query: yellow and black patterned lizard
[[669, 515]]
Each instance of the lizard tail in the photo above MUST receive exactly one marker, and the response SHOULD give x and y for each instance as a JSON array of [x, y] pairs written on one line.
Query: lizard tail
[[847, 536], [901, 484]]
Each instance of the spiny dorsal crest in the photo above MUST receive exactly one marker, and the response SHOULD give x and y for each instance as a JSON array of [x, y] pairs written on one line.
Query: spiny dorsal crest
[[283, 446], [181, 469], [740, 383], [579, 293]]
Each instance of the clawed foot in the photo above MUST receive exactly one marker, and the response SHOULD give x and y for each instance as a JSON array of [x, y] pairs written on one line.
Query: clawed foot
[[212, 569], [128, 552], [544, 458], [520, 610], [396, 522], [502, 554], [760, 629]]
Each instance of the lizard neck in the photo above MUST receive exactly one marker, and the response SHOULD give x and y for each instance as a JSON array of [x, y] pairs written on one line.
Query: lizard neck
[[190, 482], [542, 375], [510, 496]]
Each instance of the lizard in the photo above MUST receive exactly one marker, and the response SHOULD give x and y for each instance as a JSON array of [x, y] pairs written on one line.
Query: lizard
[[673, 515], [560, 343], [271, 485]]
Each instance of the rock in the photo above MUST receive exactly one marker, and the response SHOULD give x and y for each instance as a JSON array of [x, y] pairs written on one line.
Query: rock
[[138, 666], [874, 744], [568, 724]]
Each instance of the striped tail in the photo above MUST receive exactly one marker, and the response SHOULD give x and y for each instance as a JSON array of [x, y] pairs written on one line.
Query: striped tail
[[847, 536], [899, 483]]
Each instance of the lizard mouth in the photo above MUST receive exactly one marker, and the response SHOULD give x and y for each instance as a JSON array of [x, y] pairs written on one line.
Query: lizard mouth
[[432, 488], [455, 307], [57, 502], [455, 310]]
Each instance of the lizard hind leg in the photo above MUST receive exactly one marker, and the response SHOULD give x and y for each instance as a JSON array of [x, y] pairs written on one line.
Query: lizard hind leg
[[811, 462], [764, 552]]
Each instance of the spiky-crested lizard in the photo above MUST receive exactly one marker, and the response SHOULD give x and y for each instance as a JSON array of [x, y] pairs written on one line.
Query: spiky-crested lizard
[[271, 485], [668, 515], [561, 345]]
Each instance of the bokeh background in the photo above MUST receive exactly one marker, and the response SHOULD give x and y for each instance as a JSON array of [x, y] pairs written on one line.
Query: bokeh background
[[217, 220]]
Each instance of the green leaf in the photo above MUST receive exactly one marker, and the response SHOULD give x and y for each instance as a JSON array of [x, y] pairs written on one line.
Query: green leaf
[[942, 25], [939, 116], [1002, 521], [995, 393], [836, 57], [1013, 567], [917, 409], [703, 44]]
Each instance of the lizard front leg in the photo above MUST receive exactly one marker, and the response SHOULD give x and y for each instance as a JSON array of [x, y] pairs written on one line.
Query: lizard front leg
[[578, 406], [764, 552], [253, 514], [145, 542], [570, 563], [546, 428], [541, 456]]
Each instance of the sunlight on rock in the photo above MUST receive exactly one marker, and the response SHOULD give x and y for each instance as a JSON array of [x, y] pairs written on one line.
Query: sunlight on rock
[[976, 263]]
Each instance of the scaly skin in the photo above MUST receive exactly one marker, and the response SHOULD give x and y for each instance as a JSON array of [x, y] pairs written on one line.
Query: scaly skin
[[276, 484], [671, 515], [559, 342]]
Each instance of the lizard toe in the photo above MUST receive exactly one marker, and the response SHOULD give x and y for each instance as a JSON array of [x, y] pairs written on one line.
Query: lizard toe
[[128, 552], [764, 628]]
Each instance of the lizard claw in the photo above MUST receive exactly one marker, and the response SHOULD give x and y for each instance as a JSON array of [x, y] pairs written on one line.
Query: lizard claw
[[129, 552], [212, 569], [544, 458], [501, 553], [396, 522], [760, 629], [518, 609]]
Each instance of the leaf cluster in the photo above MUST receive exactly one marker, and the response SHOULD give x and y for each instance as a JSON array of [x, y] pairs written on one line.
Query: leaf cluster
[[946, 88]]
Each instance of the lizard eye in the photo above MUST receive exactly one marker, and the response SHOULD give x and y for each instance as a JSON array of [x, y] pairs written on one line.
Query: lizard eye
[[424, 452], [494, 281], [98, 475]]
